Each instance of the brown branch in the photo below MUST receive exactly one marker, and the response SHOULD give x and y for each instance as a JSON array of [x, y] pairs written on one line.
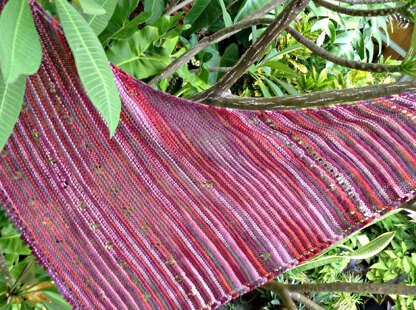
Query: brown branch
[[361, 12], [358, 65], [365, 288], [315, 99], [225, 33], [306, 301], [281, 290], [368, 1], [280, 23], [179, 6]]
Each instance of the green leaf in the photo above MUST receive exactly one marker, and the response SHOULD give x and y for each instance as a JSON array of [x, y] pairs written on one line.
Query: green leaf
[[11, 99], [157, 7], [20, 49], [282, 69], [125, 30], [225, 15], [248, 7], [91, 7], [99, 22], [320, 262], [56, 302], [373, 247], [135, 55], [92, 64], [203, 14]]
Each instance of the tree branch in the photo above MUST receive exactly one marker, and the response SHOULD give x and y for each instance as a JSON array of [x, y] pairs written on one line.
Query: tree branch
[[313, 100], [361, 12], [282, 291], [366, 288], [178, 7], [358, 65], [256, 49], [247, 22], [368, 1], [306, 301]]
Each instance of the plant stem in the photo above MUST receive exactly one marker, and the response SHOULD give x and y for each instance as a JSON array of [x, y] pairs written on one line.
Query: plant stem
[[360, 12], [279, 24], [358, 65], [312, 100]]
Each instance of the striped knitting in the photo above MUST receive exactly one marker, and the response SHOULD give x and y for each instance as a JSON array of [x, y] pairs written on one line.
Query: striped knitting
[[189, 206]]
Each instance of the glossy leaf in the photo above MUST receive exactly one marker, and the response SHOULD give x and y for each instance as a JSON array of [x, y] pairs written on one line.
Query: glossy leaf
[[157, 7], [18, 36], [92, 64], [99, 22], [91, 7], [203, 14], [248, 7], [11, 99]]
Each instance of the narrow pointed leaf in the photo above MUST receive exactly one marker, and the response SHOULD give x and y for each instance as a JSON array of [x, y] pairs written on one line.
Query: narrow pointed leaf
[[20, 49], [99, 22], [11, 99], [91, 7], [92, 64], [373, 247]]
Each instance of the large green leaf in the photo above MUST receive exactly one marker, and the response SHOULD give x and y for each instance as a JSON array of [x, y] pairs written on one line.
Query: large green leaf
[[91, 7], [98, 22], [20, 50], [157, 7], [248, 7], [149, 50], [92, 64], [11, 99], [135, 54]]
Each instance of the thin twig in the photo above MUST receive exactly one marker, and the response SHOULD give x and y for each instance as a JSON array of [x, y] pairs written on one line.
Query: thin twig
[[358, 65], [306, 301], [179, 6], [361, 12], [280, 23], [315, 99], [365, 288], [223, 34]]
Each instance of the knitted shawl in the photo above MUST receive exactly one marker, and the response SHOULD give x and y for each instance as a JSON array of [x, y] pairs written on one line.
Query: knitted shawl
[[189, 206]]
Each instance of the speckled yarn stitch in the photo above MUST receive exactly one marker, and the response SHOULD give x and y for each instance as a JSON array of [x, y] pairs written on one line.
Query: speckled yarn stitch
[[190, 206]]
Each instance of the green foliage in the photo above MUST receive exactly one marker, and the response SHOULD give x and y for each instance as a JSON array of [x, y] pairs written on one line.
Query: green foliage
[[98, 22], [24, 284], [92, 64], [11, 98], [91, 7], [18, 36], [157, 7], [149, 50], [203, 14]]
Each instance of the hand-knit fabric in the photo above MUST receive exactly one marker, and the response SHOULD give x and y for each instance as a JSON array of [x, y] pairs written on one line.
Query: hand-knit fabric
[[189, 206]]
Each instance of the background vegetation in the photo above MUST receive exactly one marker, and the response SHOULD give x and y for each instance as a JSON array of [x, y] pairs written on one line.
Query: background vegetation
[[146, 37]]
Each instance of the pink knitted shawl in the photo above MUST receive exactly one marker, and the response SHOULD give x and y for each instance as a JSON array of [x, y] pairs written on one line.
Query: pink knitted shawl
[[189, 206]]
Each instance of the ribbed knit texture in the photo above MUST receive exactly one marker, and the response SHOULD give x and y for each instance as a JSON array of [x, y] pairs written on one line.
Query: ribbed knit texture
[[189, 206]]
